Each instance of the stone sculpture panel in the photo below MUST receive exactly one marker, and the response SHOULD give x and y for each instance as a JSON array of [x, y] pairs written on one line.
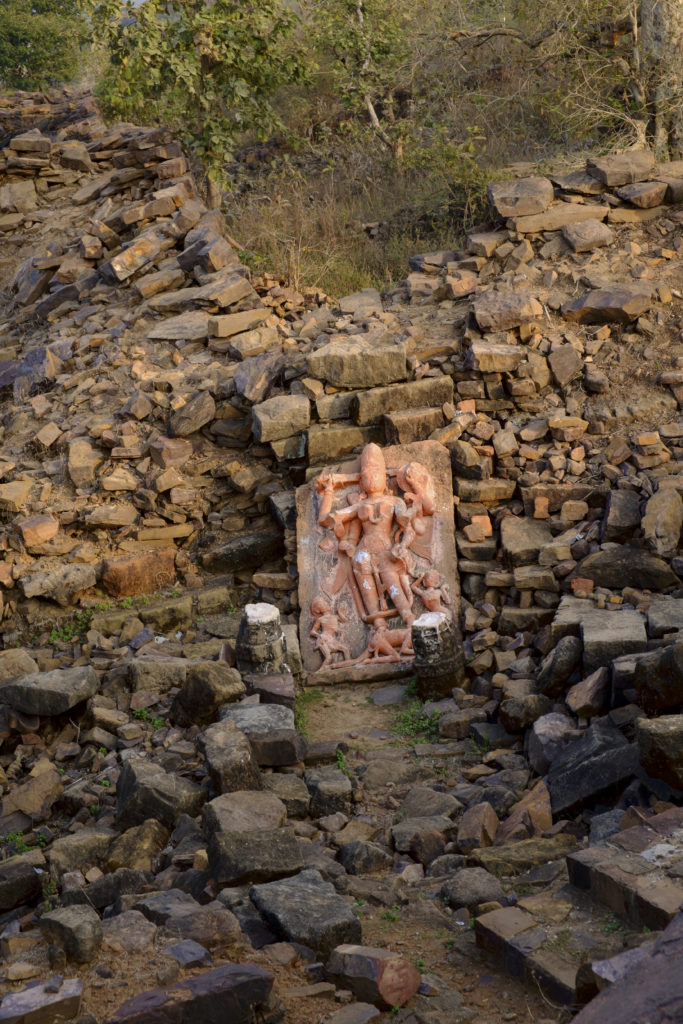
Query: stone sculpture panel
[[376, 549]]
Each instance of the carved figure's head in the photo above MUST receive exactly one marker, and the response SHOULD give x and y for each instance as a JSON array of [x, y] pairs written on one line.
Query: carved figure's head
[[373, 470], [432, 578], [319, 606]]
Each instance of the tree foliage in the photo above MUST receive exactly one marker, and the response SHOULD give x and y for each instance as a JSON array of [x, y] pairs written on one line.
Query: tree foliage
[[40, 43], [207, 67]]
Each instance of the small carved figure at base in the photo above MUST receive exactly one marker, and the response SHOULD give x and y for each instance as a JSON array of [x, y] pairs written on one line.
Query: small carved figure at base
[[386, 644], [325, 630], [434, 591]]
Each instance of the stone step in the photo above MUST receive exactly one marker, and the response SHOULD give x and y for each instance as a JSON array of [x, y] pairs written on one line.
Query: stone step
[[550, 940], [619, 892], [638, 873]]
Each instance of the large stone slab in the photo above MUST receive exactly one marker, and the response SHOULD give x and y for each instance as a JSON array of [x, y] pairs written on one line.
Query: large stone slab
[[501, 311], [44, 1003], [621, 168], [491, 356], [307, 909], [145, 791], [660, 742], [50, 693], [587, 235], [596, 765], [559, 216], [280, 417], [370, 406], [358, 362], [230, 993], [607, 635], [376, 549], [617, 566], [261, 855], [521, 197], [618, 305]]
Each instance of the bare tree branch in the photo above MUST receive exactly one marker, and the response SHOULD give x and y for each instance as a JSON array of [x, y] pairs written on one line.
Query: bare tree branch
[[484, 34]]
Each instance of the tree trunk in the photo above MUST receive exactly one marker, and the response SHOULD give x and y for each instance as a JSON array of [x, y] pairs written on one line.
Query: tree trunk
[[214, 194], [662, 66]]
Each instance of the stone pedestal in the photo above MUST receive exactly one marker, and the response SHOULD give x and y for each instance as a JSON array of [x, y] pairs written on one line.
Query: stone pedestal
[[439, 663], [261, 644]]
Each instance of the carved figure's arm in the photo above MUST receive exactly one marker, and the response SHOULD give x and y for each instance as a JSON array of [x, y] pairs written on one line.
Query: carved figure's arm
[[404, 518]]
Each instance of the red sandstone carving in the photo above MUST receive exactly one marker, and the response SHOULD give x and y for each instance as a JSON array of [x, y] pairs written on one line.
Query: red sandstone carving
[[382, 538]]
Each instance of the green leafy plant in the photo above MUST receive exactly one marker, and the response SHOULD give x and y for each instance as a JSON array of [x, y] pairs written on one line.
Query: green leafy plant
[[209, 68], [415, 723], [94, 809], [480, 747], [126, 603], [74, 630], [613, 925], [49, 894], [420, 963], [16, 839], [342, 763], [40, 43], [411, 688], [392, 914], [106, 783], [142, 714], [304, 700]]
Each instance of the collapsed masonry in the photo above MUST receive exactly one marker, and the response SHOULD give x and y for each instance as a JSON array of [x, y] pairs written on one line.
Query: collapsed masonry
[[161, 404]]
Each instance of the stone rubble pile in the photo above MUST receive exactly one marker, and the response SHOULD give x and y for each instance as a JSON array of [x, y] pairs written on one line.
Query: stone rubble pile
[[159, 406]]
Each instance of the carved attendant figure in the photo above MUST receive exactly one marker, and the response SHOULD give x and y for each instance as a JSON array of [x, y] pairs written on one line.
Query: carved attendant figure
[[325, 631], [435, 591]]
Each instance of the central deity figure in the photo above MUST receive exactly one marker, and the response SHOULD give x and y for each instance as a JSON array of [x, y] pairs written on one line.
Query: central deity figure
[[375, 531]]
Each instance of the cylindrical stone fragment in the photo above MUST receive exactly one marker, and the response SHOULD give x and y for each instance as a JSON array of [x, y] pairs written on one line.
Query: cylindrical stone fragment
[[261, 644], [439, 662]]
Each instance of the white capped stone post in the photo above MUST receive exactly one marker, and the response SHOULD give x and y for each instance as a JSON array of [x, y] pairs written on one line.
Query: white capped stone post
[[261, 646], [439, 663]]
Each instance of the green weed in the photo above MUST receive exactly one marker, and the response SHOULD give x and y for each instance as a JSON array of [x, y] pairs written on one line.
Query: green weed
[[393, 914], [411, 688], [49, 894], [74, 630], [480, 747], [415, 723], [613, 925], [305, 699], [342, 763]]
